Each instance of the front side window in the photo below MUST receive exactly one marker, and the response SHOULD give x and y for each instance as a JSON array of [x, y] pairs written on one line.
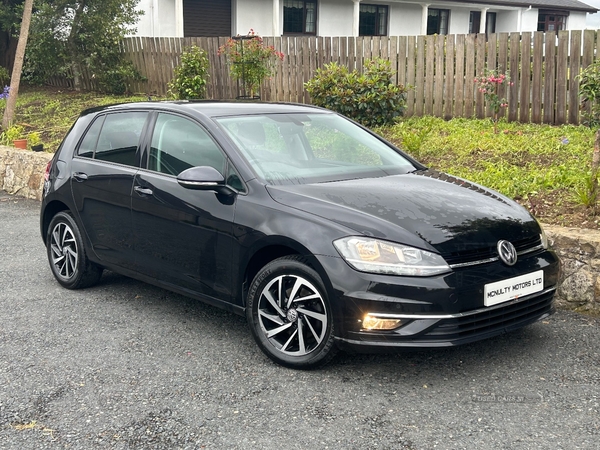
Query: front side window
[[437, 21], [114, 138], [179, 143], [373, 20], [552, 20], [307, 148], [300, 16]]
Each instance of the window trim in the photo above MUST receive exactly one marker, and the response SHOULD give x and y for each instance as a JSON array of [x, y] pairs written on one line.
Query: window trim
[[377, 23], [303, 33]]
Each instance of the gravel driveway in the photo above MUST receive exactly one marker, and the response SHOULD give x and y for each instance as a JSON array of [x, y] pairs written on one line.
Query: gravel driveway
[[127, 365]]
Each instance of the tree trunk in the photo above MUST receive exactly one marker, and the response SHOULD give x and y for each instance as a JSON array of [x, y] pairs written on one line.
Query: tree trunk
[[72, 47], [15, 81]]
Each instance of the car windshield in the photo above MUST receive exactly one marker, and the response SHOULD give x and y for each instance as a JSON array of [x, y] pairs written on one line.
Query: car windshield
[[309, 148]]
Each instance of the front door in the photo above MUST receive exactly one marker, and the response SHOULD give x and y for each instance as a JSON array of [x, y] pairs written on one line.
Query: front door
[[182, 236]]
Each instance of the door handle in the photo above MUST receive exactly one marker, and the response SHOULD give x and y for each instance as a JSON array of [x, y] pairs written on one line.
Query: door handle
[[143, 191], [80, 176]]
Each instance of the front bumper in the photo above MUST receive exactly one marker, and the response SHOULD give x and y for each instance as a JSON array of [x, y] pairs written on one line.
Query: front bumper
[[422, 330], [436, 311]]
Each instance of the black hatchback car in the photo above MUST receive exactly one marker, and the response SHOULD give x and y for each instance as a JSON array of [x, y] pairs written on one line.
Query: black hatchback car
[[322, 233]]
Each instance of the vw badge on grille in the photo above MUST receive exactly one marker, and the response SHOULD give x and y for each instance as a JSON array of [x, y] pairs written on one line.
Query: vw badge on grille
[[507, 253]]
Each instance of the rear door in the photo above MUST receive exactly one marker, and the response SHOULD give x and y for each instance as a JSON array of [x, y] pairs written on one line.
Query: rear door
[[102, 180]]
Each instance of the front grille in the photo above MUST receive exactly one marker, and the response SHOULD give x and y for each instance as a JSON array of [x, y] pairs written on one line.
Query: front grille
[[493, 320], [487, 253]]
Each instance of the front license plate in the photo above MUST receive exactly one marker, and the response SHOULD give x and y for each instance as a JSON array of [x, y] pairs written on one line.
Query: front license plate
[[502, 291]]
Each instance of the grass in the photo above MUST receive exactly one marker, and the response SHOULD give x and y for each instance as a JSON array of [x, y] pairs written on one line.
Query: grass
[[546, 168]]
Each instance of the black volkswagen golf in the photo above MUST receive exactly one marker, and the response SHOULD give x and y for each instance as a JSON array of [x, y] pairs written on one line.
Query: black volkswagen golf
[[320, 232]]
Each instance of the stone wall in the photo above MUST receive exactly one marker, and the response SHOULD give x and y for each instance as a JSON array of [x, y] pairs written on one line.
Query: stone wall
[[579, 251], [22, 173]]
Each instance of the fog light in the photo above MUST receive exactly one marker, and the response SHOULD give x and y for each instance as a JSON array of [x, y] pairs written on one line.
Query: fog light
[[378, 323]]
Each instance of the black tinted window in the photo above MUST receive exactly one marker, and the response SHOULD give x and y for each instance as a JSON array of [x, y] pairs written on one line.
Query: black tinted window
[[179, 143], [119, 137]]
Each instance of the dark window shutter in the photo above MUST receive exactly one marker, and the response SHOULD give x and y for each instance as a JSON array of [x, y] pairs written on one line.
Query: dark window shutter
[[206, 18]]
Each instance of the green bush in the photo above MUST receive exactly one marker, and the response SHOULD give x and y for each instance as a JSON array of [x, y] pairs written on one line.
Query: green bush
[[370, 98], [191, 75], [117, 79], [589, 90]]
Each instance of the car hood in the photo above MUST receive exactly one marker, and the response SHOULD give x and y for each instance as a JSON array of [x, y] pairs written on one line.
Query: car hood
[[425, 209]]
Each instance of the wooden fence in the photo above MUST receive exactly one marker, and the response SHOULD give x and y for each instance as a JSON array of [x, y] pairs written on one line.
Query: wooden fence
[[439, 70]]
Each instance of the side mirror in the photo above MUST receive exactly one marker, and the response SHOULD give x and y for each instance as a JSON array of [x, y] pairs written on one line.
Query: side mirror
[[204, 178]]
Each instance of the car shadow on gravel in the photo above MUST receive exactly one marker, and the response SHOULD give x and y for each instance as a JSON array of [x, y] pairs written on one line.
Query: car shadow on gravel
[[511, 350]]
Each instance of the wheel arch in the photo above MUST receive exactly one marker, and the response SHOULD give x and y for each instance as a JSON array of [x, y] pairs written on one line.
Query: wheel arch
[[272, 249], [50, 211]]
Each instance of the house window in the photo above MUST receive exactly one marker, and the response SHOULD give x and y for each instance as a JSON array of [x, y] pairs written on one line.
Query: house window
[[552, 20], [373, 20], [300, 16], [437, 21], [475, 22]]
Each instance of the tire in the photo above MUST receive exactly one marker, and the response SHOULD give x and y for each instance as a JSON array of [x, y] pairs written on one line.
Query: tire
[[290, 315], [66, 254]]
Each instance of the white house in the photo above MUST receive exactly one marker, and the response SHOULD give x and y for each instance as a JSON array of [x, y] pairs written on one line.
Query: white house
[[357, 17]]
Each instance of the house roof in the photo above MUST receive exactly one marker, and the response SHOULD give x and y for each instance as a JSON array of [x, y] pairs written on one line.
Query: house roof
[[569, 5]]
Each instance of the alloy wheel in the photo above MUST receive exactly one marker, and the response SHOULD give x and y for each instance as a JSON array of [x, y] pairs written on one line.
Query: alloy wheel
[[63, 247], [292, 315]]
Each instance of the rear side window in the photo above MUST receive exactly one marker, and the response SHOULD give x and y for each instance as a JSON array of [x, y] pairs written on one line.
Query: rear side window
[[114, 138]]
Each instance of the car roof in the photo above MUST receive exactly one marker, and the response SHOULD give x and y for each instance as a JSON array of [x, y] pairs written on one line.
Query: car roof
[[211, 108]]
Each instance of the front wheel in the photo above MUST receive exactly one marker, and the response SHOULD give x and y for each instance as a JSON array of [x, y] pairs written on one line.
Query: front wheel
[[66, 254], [289, 314]]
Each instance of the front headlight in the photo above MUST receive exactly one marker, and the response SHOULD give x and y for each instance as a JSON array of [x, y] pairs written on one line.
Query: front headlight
[[375, 256]]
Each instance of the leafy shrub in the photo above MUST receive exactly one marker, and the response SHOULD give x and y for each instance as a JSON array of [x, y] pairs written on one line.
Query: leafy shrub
[[589, 90], [370, 98], [117, 80], [191, 75], [11, 134]]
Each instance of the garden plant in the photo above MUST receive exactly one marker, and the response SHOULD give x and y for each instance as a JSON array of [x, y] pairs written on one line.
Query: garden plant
[[589, 90], [371, 98], [191, 75], [489, 84], [250, 61]]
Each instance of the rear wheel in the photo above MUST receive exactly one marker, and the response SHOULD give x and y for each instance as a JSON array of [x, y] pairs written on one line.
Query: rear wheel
[[290, 315], [66, 254]]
